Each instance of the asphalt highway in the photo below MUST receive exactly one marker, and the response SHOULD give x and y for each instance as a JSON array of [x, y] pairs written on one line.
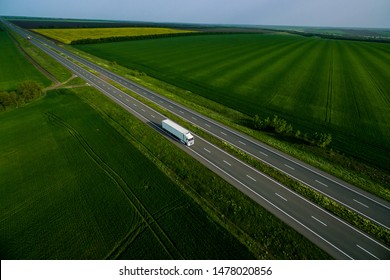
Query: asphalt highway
[[366, 204], [336, 237]]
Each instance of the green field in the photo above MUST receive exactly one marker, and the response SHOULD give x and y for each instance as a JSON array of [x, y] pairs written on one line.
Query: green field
[[14, 67], [340, 87], [68, 35], [72, 187]]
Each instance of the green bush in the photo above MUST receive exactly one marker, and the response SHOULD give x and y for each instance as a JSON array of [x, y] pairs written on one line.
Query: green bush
[[26, 92], [5, 100], [280, 126]]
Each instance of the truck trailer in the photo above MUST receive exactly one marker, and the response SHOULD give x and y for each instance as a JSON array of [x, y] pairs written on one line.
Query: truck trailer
[[179, 132]]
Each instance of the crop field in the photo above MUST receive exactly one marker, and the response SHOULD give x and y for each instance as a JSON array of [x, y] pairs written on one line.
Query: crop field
[[14, 67], [72, 187], [335, 86], [72, 34]]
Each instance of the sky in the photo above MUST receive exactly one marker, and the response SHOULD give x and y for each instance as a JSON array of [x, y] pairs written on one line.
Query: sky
[[332, 13]]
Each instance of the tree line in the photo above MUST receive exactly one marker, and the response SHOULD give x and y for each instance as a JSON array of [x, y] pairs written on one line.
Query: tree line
[[280, 126], [24, 93], [342, 37], [146, 37]]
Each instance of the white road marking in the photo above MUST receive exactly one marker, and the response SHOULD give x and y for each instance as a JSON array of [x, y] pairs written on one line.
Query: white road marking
[[153, 116], [264, 154], [281, 197], [181, 112], [223, 133], [207, 125], [361, 203], [227, 163], [289, 167], [319, 221], [281, 210], [207, 150], [120, 95], [242, 143], [127, 99], [170, 106], [319, 182], [194, 118], [253, 179], [367, 251], [143, 110], [135, 105]]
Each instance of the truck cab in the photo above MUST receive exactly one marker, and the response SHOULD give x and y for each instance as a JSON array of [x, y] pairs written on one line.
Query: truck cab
[[189, 139]]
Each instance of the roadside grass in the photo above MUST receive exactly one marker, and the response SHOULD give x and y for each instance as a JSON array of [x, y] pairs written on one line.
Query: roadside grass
[[356, 172], [330, 86], [14, 67], [72, 187], [49, 64], [67, 35], [76, 81]]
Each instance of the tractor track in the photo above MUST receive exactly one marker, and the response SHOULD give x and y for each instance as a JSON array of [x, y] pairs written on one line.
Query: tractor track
[[148, 220]]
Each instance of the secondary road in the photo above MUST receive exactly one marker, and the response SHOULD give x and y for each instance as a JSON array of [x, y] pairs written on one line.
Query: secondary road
[[330, 233], [367, 205]]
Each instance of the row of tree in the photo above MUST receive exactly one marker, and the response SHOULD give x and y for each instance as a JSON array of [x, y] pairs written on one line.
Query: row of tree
[[280, 126], [145, 37], [127, 38], [347, 37], [25, 93]]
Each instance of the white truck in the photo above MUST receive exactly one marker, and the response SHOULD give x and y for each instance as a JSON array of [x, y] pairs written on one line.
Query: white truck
[[179, 132]]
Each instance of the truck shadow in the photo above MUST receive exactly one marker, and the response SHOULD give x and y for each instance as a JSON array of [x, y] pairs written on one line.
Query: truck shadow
[[156, 125]]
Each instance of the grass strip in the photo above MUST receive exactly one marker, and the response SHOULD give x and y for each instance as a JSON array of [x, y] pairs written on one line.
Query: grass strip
[[49, 64], [15, 66]]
